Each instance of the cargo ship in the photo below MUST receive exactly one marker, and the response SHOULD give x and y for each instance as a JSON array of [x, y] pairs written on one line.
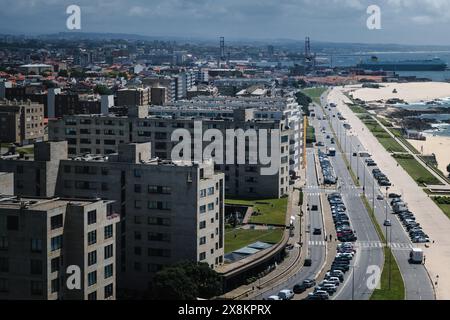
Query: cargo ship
[[374, 64]]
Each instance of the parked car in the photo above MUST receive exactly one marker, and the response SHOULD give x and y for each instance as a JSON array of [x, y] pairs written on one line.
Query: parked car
[[286, 294]]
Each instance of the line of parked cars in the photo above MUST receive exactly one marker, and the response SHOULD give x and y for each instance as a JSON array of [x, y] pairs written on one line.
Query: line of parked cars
[[344, 230], [329, 177], [336, 275], [382, 179], [400, 208]]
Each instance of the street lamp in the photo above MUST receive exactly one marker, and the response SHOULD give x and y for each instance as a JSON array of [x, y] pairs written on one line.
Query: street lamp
[[386, 206]]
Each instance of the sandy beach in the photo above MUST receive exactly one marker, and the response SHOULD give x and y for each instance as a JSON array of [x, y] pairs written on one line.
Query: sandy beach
[[438, 145], [409, 92]]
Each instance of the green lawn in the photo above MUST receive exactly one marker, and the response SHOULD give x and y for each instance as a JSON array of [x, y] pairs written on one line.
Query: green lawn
[[358, 109], [421, 175], [390, 144], [273, 211], [397, 290], [314, 93], [444, 204], [239, 238]]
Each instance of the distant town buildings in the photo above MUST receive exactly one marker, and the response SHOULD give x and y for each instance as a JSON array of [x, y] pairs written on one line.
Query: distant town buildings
[[21, 122]]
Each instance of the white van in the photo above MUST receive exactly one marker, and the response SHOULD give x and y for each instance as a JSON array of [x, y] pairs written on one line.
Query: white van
[[286, 294], [416, 256]]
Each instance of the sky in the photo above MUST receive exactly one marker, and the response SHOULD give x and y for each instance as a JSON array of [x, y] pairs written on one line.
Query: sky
[[422, 22]]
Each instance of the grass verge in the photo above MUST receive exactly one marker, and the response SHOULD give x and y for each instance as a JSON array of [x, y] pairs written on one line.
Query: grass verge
[[418, 172], [239, 238], [397, 290], [314, 93], [443, 203], [271, 211]]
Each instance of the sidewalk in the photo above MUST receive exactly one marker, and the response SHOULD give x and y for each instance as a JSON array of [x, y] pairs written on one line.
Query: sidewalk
[[428, 214]]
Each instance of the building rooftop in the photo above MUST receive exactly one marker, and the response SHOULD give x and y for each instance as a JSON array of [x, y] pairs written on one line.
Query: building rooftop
[[41, 204]]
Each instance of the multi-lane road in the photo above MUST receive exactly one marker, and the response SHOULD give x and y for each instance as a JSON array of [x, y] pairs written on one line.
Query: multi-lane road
[[358, 284], [369, 259], [417, 282]]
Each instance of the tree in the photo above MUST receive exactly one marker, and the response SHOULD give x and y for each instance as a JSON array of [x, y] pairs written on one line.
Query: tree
[[63, 73], [102, 90], [186, 281], [173, 284]]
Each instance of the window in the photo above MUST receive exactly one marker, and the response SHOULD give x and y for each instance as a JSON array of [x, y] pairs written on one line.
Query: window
[[202, 224], [4, 285], [92, 217], [109, 291], [202, 256], [12, 223], [92, 258], [202, 240], [4, 243], [108, 232], [211, 206], [55, 285], [153, 204], [137, 188], [108, 271], [92, 237], [137, 235], [137, 251], [137, 220], [138, 204], [92, 278], [210, 191], [36, 267], [92, 296], [203, 193], [137, 173], [56, 243], [159, 221], [109, 251], [162, 237], [55, 264], [203, 209], [153, 252], [137, 266], [4, 264], [37, 288], [56, 222], [68, 169]]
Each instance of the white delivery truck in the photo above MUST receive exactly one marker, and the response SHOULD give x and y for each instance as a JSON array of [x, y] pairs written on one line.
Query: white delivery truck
[[416, 256]]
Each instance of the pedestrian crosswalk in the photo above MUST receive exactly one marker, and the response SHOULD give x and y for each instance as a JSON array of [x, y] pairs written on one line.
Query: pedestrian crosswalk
[[317, 243], [378, 244], [368, 245]]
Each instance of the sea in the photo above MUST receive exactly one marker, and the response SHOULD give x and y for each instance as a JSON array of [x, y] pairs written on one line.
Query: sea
[[440, 127]]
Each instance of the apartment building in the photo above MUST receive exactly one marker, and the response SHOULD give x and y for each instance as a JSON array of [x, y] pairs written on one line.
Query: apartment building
[[102, 135], [284, 109], [6, 183], [57, 103], [134, 97], [170, 211], [42, 240], [21, 122]]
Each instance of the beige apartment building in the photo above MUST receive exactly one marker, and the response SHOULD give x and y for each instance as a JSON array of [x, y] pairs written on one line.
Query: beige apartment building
[[170, 211], [43, 239], [21, 122], [103, 134]]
